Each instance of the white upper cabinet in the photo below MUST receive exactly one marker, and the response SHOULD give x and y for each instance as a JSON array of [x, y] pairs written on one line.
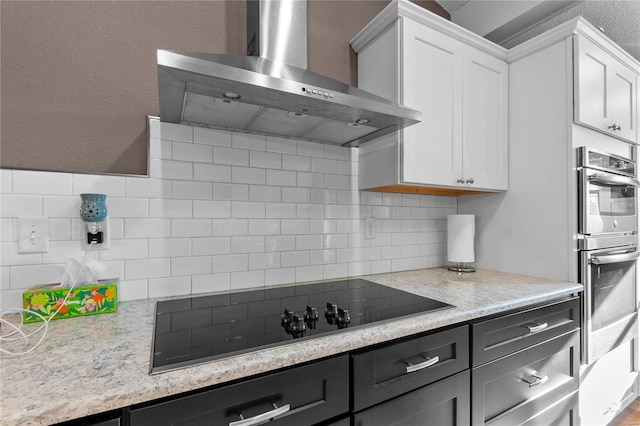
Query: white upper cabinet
[[458, 81], [605, 92]]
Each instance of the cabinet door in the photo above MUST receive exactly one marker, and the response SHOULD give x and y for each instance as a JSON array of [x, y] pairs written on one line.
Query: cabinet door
[[431, 83], [303, 395], [444, 403], [485, 115], [605, 90]]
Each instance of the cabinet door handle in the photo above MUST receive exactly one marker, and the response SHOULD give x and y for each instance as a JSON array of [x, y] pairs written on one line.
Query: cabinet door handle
[[470, 180], [461, 180], [261, 418], [615, 127], [428, 363], [536, 380], [533, 327]]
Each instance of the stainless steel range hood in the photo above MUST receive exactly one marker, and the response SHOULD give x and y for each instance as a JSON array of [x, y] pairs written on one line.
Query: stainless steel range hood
[[269, 95]]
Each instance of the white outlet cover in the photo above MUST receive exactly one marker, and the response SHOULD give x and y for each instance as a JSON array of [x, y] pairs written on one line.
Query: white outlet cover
[[106, 236], [33, 235], [369, 227]]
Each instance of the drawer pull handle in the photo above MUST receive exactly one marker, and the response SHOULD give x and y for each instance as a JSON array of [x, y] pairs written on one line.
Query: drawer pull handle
[[260, 418], [536, 327], [536, 381], [428, 363]]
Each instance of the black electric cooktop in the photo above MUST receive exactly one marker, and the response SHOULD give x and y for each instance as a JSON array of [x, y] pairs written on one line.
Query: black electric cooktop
[[195, 330]]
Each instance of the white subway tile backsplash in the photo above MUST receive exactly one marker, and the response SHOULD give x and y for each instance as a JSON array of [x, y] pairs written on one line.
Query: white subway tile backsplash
[[248, 141], [296, 195], [160, 149], [308, 273], [112, 186], [165, 287], [192, 190], [247, 245], [264, 227], [229, 191], [147, 268], [281, 178], [147, 188], [282, 145], [195, 265], [248, 175], [280, 243], [265, 193], [161, 208], [8, 232], [24, 277], [170, 247], [5, 181], [248, 209], [229, 227], [210, 283], [190, 228], [229, 263], [310, 180], [223, 210], [170, 131], [211, 246], [132, 290], [9, 255], [310, 149], [279, 276], [264, 261], [41, 183], [12, 205], [169, 169], [265, 160], [297, 163], [203, 135], [5, 278], [211, 209], [124, 249], [211, 172], [192, 152], [246, 279], [147, 228], [230, 156]]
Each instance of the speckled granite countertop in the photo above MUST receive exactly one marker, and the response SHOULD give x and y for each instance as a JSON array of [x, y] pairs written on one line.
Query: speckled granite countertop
[[100, 363]]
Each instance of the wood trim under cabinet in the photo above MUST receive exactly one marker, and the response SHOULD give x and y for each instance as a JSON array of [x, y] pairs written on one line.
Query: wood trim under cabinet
[[410, 189]]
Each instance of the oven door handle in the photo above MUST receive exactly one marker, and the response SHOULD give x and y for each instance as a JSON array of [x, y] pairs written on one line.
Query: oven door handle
[[614, 258], [615, 180]]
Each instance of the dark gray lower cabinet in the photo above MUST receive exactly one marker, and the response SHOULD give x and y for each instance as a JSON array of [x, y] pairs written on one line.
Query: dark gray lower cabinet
[[313, 393], [444, 403]]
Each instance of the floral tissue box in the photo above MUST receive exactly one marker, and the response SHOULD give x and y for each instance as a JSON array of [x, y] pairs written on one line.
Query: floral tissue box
[[100, 297]]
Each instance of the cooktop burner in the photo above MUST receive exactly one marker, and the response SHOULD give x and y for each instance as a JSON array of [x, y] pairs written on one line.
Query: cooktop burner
[[195, 330]]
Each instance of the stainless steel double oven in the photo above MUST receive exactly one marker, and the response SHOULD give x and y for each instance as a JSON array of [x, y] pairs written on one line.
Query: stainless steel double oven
[[608, 249]]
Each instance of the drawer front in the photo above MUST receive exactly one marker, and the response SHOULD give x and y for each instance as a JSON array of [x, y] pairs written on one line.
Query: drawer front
[[314, 392], [444, 403], [562, 413], [509, 333], [385, 373], [529, 380]]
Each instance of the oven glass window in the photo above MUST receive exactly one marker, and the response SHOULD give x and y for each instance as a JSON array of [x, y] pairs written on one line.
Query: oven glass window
[[612, 200], [613, 290]]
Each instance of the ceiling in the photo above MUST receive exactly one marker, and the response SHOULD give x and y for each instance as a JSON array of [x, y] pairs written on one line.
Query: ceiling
[[511, 22]]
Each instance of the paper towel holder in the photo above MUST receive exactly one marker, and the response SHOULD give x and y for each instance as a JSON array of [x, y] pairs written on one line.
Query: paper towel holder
[[461, 242]]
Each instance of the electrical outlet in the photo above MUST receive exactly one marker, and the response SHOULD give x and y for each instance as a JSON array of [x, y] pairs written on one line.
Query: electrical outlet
[[33, 235], [96, 233], [369, 228]]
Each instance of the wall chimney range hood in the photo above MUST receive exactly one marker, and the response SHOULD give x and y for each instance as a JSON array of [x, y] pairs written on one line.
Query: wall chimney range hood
[[272, 94]]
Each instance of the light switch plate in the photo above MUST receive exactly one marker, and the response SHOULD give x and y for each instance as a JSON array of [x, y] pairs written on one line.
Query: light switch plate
[[33, 235]]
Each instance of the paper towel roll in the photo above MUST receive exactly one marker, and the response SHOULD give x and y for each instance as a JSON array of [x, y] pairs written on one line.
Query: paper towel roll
[[461, 231]]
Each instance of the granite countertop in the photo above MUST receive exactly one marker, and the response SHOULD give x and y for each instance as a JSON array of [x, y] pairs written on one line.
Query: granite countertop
[[95, 364]]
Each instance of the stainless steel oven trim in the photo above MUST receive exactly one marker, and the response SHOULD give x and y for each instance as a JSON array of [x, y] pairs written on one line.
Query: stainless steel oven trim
[[583, 161], [588, 225], [597, 343]]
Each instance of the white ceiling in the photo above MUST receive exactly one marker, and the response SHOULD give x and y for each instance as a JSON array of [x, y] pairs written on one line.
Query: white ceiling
[[511, 22]]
